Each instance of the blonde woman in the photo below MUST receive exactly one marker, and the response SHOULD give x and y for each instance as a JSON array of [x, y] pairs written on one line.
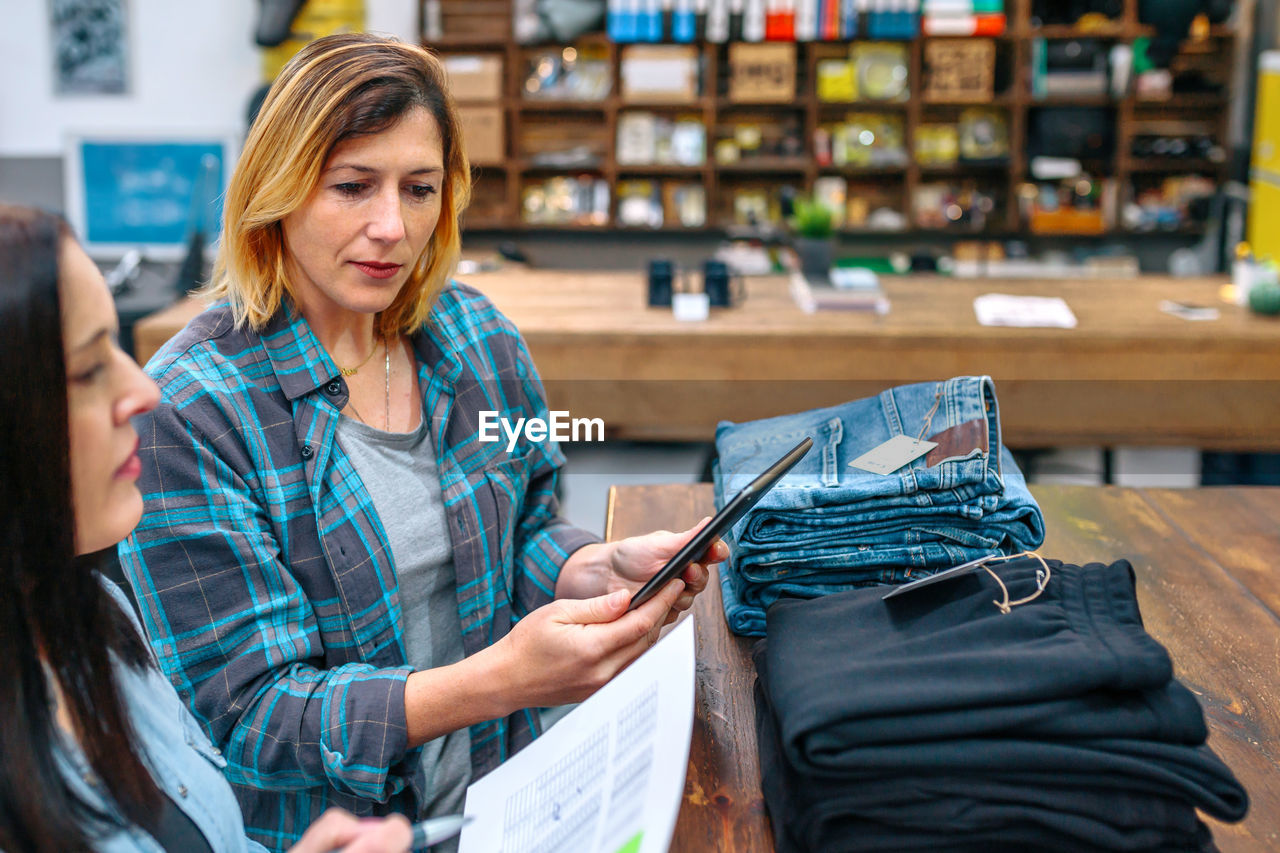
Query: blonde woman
[[363, 603]]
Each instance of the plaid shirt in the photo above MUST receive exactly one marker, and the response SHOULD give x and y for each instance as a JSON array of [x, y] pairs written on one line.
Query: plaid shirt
[[264, 576]]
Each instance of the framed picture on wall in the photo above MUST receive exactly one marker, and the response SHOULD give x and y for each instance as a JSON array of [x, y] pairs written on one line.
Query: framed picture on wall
[[149, 192], [90, 46]]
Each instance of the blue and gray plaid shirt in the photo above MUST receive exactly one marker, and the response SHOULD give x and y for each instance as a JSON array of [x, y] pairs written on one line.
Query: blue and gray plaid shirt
[[264, 576]]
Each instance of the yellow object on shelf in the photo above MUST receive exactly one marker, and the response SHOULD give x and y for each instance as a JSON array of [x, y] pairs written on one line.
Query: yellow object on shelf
[[1264, 174], [836, 81], [316, 19]]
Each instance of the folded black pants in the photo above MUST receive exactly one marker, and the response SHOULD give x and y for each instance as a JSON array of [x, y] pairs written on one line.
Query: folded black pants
[[942, 811], [1065, 694]]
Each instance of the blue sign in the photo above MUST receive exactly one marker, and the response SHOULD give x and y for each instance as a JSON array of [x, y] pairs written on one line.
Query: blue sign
[[151, 193]]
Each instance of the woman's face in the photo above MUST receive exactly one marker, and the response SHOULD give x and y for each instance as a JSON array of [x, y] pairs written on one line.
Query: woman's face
[[105, 388], [352, 244]]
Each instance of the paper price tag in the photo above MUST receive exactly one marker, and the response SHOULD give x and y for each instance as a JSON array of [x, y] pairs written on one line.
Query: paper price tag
[[892, 454]]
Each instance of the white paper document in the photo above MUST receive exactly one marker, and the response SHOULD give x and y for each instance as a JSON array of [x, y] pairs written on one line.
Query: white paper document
[[1003, 309], [609, 777]]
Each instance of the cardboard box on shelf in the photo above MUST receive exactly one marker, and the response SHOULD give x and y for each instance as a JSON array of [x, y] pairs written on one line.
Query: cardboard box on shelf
[[659, 73], [959, 70], [484, 134], [762, 73], [474, 77]]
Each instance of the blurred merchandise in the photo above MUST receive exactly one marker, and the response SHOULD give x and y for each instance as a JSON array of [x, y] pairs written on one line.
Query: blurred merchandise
[[483, 134], [984, 135], [571, 141], [566, 201], [762, 73], [684, 203], [1166, 205], [315, 19], [655, 204], [474, 77], [747, 257], [660, 73], [963, 18], [881, 71], [958, 206], [1073, 68], [568, 74], [937, 144], [959, 70], [1075, 205], [744, 140], [836, 81], [873, 206], [1081, 13], [555, 20], [639, 204], [646, 138], [862, 140], [1177, 147], [830, 192]]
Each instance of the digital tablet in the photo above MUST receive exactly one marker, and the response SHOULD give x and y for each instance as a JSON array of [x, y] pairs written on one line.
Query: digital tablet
[[697, 547]]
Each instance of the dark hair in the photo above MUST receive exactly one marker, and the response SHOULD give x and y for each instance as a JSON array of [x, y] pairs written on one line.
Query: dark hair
[[55, 616]]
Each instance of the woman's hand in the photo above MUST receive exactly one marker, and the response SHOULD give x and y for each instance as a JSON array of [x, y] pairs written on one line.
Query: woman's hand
[[340, 830], [628, 563], [566, 650]]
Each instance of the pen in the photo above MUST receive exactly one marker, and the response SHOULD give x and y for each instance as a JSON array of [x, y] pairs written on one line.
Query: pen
[[437, 829]]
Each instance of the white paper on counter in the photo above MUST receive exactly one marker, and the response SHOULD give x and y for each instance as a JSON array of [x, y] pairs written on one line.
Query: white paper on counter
[[609, 777], [1003, 309]]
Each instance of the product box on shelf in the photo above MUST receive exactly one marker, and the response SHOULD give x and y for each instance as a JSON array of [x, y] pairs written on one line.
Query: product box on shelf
[[762, 73], [474, 77], [484, 134]]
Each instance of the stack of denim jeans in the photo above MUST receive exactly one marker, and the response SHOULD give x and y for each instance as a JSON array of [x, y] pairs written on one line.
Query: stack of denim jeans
[[937, 721], [828, 527]]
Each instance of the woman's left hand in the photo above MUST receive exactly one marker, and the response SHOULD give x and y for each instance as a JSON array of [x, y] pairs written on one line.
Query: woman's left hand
[[634, 560]]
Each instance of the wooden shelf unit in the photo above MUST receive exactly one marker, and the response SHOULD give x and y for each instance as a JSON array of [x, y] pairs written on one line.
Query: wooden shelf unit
[[714, 107]]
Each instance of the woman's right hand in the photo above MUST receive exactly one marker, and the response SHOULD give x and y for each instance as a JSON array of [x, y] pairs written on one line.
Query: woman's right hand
[[566, 650], [340, 830]]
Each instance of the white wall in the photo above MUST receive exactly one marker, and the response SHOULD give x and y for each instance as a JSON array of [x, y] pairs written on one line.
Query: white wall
[[193, 65]]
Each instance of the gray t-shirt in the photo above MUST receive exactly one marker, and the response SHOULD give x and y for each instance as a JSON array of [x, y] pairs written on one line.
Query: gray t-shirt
[[399, 472]]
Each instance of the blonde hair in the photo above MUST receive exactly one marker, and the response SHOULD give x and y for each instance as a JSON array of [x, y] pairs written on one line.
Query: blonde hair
[[333, 89]]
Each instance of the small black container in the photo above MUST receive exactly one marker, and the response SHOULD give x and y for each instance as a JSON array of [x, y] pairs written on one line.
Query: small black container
[[661, 273], [715, 281]]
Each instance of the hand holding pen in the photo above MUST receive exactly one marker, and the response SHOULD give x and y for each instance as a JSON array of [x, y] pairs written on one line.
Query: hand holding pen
[[338, 831]]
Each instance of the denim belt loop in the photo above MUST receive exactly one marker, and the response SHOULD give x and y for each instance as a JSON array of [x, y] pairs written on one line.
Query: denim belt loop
[[834, 429]]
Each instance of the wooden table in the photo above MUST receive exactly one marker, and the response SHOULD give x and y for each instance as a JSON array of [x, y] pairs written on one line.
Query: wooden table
[[1128, 374], [1209, 589]]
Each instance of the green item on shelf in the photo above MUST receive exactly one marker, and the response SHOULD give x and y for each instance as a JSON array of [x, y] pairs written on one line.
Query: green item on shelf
[[1141, 62], [1264, 298], [879, 266]]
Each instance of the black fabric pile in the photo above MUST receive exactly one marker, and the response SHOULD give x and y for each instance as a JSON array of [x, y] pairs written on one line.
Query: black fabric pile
[[935, 721]]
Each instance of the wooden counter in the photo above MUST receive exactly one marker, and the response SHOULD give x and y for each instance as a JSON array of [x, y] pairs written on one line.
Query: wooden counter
[[1208, 588], [1128, 374]]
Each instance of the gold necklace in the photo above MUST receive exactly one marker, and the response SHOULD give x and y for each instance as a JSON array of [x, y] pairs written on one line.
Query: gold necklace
[[386, 415], [352, 371]]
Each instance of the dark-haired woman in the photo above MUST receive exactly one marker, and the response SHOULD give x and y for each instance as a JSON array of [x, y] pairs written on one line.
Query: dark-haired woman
[[96, 749]]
